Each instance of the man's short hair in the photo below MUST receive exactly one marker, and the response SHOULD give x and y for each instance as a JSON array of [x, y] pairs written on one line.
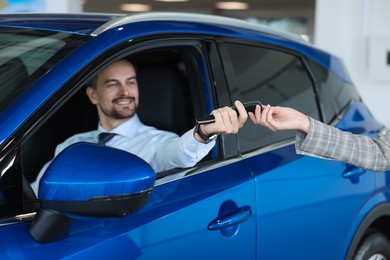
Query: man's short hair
[[93, 82]]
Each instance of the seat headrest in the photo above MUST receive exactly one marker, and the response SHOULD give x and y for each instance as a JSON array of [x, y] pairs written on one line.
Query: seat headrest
[[162, 102]]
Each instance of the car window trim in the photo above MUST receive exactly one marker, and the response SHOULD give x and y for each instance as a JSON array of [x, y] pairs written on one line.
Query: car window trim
[[221, 96], [195, 170]]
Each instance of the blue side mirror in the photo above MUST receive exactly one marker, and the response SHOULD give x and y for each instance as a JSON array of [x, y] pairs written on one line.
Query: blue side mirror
[[90, 180]]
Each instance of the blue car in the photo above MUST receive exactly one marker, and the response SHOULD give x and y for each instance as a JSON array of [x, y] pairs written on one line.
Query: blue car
[[251, 197]]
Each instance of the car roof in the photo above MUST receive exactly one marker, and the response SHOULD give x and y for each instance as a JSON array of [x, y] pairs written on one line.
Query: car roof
[[194, 18], [93, 24]]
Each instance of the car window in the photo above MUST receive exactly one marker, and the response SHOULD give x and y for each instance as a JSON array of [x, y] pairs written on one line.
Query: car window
[[334, 92], [26, 55], [272, 77], [169, 80]]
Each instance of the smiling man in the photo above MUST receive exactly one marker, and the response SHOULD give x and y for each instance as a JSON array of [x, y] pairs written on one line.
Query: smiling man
[[115, 93]]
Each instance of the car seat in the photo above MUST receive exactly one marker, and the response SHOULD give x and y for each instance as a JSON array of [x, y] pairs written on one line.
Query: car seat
[[162, 102]]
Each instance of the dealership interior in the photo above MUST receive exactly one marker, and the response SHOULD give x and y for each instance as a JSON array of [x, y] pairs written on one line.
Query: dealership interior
[[121, 136]]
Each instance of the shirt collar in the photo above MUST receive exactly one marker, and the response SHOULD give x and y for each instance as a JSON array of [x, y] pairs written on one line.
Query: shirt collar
[[128, 128]]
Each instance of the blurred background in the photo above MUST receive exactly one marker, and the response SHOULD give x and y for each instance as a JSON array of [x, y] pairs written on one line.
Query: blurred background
[[355, 30]]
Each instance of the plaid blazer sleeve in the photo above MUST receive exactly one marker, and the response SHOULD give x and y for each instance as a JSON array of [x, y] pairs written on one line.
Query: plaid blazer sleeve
[[329, 142]]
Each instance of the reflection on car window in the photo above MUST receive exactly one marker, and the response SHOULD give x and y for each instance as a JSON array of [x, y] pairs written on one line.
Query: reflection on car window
[[335, 93], [25, 56], [272, 77]]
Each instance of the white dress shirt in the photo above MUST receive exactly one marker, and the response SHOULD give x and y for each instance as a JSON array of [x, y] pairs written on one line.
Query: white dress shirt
[[163, 150]]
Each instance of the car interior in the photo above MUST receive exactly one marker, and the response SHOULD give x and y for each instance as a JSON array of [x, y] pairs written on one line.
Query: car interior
[[166, 102]]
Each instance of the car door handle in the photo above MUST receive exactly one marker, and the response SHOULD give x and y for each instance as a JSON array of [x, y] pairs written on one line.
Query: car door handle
[[235, 218], [354, 171]]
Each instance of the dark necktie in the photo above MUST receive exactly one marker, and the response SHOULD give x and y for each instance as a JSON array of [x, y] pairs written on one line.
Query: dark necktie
[[105, 137]]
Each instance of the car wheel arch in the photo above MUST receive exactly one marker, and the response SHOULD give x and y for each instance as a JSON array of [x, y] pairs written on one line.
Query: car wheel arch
[[378, 218]]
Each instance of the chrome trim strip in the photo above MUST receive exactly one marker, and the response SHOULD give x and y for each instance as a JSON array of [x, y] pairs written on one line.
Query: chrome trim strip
[[18, 219], [195, 170], [268, 148], [191, 17], [11, 163]]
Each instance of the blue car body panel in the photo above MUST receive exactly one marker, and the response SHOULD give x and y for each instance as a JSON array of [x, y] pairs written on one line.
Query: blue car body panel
[[148, 233]]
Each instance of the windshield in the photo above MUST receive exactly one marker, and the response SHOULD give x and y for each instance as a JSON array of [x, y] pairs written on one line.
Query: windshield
[[25, 55]]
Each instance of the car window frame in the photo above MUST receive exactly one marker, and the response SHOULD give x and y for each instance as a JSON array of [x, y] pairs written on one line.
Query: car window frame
[[227, 63]]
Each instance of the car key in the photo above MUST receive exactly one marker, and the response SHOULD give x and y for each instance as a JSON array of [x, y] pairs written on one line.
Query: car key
[[249, 107]]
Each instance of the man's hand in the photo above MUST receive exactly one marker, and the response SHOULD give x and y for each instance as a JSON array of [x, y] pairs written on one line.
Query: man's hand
[[280, 118], [226, 121]]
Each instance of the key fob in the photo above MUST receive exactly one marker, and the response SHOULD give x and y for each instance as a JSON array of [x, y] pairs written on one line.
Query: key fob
[[249, 107]]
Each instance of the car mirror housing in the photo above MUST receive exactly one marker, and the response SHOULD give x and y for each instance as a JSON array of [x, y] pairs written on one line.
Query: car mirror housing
[[90, 180]]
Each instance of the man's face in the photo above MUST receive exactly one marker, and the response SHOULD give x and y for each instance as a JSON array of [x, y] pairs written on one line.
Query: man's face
[[116, 92]]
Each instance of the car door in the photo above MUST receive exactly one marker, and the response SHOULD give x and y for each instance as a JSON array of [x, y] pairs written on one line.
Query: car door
[[306, 206], [206, 211]]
